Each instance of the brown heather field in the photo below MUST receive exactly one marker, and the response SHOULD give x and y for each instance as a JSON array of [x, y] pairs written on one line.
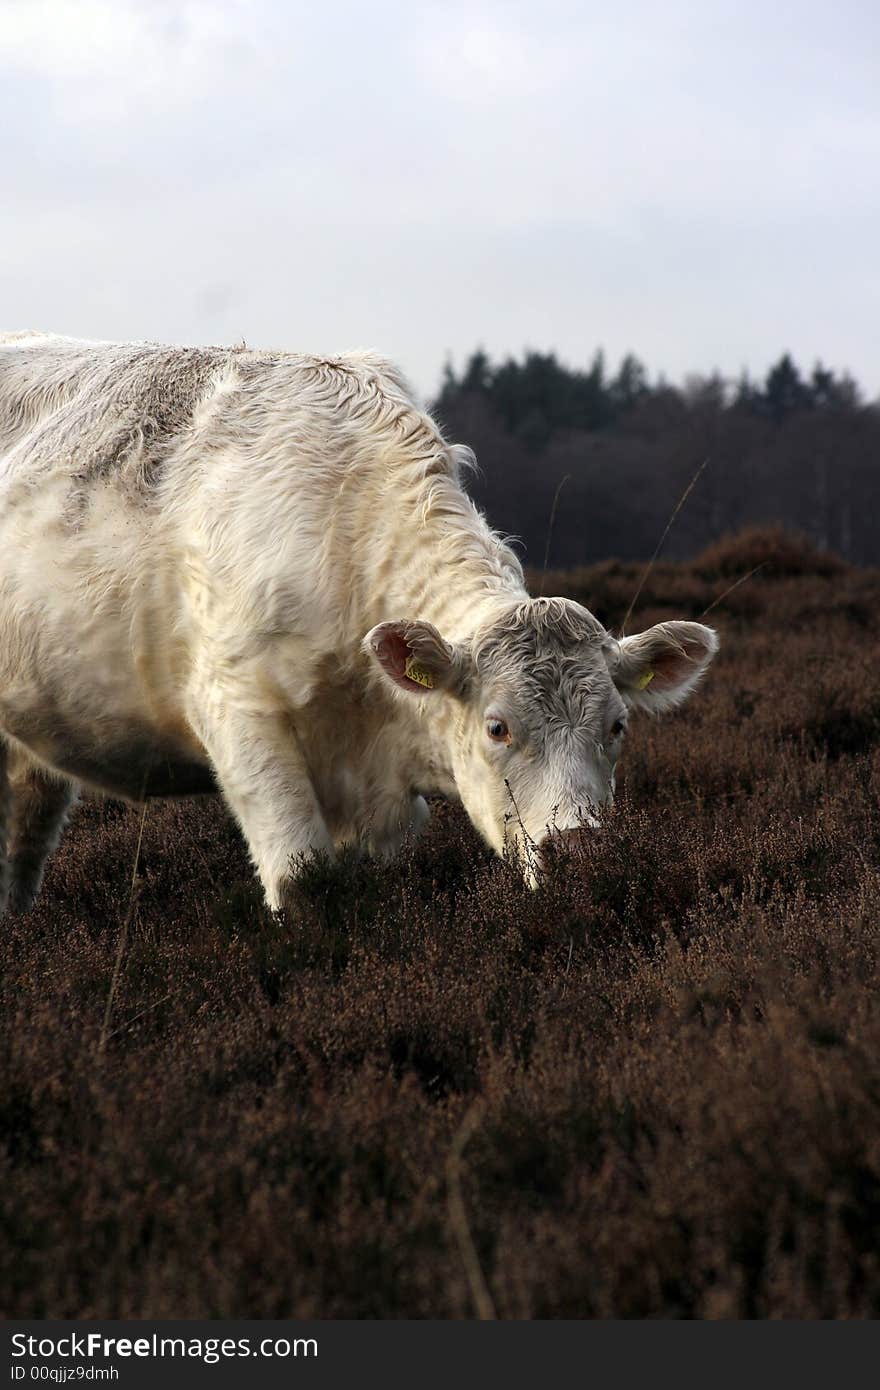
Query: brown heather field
[[650, 1089]]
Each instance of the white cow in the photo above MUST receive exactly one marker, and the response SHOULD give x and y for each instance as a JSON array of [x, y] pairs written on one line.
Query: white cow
[[259, 571]]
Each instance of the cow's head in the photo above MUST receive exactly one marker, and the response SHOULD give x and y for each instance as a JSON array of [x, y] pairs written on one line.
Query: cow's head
[[540, 699]]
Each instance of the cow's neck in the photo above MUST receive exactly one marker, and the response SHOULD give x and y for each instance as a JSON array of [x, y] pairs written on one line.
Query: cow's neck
[[460, 577], [452, 570]]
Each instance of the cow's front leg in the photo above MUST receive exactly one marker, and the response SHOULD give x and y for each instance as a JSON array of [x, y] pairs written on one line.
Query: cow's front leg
[[402, 820], [263, 775]]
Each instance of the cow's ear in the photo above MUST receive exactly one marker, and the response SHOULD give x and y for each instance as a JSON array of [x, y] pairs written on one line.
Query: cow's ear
[[657, 669], [414, 657]]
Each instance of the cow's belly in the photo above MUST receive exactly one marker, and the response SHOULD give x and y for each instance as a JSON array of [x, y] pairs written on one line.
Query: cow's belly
[[85, 711], [91, 666], [139, 770], [130, 761]]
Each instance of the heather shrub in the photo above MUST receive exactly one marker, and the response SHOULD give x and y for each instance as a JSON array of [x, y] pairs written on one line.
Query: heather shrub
[[664, 1059], [778, 551]]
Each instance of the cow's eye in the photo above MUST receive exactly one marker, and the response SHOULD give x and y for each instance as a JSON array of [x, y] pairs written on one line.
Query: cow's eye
[[498, 730], [617, 728]]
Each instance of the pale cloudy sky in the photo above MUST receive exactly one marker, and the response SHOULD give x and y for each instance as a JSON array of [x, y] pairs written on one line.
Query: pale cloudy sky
[[696, 180]]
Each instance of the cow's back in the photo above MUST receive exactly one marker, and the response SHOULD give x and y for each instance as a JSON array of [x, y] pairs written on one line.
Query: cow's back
[[99, 411]]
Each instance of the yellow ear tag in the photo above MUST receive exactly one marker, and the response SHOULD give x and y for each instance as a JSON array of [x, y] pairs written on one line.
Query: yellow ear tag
[[644, 680], [419, 674]]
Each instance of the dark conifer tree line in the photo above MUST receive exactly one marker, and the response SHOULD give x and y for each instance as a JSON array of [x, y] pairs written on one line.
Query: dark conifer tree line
[[616, 450]]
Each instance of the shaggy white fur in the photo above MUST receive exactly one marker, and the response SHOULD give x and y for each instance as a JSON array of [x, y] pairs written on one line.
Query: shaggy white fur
[[218, 567]]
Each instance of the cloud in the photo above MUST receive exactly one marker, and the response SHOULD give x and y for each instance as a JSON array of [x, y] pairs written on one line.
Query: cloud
[[688, 181]]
